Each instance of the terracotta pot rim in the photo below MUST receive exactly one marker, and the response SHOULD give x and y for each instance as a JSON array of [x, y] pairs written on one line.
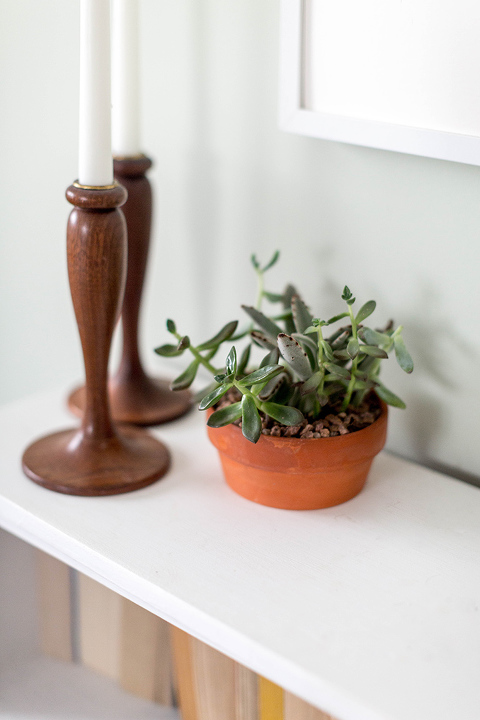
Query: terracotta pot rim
[[295, 440]]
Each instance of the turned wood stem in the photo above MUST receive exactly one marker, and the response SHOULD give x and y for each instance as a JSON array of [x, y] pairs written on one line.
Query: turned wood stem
[[96, 253], [138, 214]]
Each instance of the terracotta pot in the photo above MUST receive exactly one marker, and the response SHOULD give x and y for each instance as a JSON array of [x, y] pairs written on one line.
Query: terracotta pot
[[297, 474]]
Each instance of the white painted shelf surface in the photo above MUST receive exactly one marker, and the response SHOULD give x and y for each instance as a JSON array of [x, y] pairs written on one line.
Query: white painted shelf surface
[[369, 610]]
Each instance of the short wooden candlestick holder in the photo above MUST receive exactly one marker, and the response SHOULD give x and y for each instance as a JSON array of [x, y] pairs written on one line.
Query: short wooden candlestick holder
[[134, 396], [97, 459]]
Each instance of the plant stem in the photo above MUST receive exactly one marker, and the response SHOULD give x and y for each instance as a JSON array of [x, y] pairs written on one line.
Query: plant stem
[[320, 357], [196, 354], [373, 370], [246, 391], [353, 371], [203, 361]]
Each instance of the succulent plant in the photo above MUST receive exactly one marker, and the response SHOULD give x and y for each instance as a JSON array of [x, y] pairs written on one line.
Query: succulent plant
[[304, 373]]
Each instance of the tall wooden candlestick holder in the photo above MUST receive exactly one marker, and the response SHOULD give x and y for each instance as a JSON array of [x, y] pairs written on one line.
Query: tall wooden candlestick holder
[[134, 396], [97, 459]]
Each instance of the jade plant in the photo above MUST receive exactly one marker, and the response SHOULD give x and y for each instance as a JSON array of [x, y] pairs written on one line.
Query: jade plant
[[309, 369]]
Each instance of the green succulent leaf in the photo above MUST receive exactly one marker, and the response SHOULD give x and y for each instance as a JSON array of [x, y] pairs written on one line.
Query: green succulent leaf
[[372, 337], [311, 385], [389, 397], [201, 393], [244, 360], [171, 327], [339, 337], [270, 358], [241, 333], [170, 350], [184, 380], [352, 348], [306, 341], [404, 358], [167, 350], [288, 294], [337, 370], [302, 317], [231, 362], [220, 378], [283, 413], [310, 405], [335, 318], [254, 261], [286, 315], [272, 261], [367, 364], [214, 396], [333, 387], [341, 355], [251, 422], [273, 297], [284, 393], [328, 351], [262, 340], [261, 375], [225, 415], [272, 386], [296, 357], [263, 321], [373, 351], [365, 311], [224, 334], [347, 296], [363, 385]]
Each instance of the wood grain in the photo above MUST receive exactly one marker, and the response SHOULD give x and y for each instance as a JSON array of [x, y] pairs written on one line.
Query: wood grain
[[97, 459], [54, 606], [99, 627], [297, 709], [184, 675], [134, 396], [145, 654], [246, 693], [214, 682]]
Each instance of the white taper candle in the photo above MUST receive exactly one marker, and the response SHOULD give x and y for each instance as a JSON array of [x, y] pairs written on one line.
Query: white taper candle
[[95, 138], [125, 78]]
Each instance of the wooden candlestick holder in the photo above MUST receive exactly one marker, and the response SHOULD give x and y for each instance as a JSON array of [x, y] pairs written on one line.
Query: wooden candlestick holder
[[97, 459], [134, 396]]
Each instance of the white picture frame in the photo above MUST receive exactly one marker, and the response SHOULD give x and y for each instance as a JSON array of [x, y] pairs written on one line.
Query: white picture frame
[[295, 117]]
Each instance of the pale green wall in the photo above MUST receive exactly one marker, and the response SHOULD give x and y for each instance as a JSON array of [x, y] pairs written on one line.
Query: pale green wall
[[397, 228]]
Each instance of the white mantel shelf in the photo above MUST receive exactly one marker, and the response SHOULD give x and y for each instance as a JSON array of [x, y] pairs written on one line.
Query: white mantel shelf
[[369, 610]]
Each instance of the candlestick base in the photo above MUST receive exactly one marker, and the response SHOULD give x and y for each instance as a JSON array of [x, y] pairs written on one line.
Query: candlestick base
[[75, 463], [138, 400]]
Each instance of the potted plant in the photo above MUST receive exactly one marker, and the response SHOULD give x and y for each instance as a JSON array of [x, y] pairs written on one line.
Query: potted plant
[[300, 428]]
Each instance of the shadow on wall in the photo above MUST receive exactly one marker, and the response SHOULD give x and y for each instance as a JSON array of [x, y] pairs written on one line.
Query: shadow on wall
[[445, 360]]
